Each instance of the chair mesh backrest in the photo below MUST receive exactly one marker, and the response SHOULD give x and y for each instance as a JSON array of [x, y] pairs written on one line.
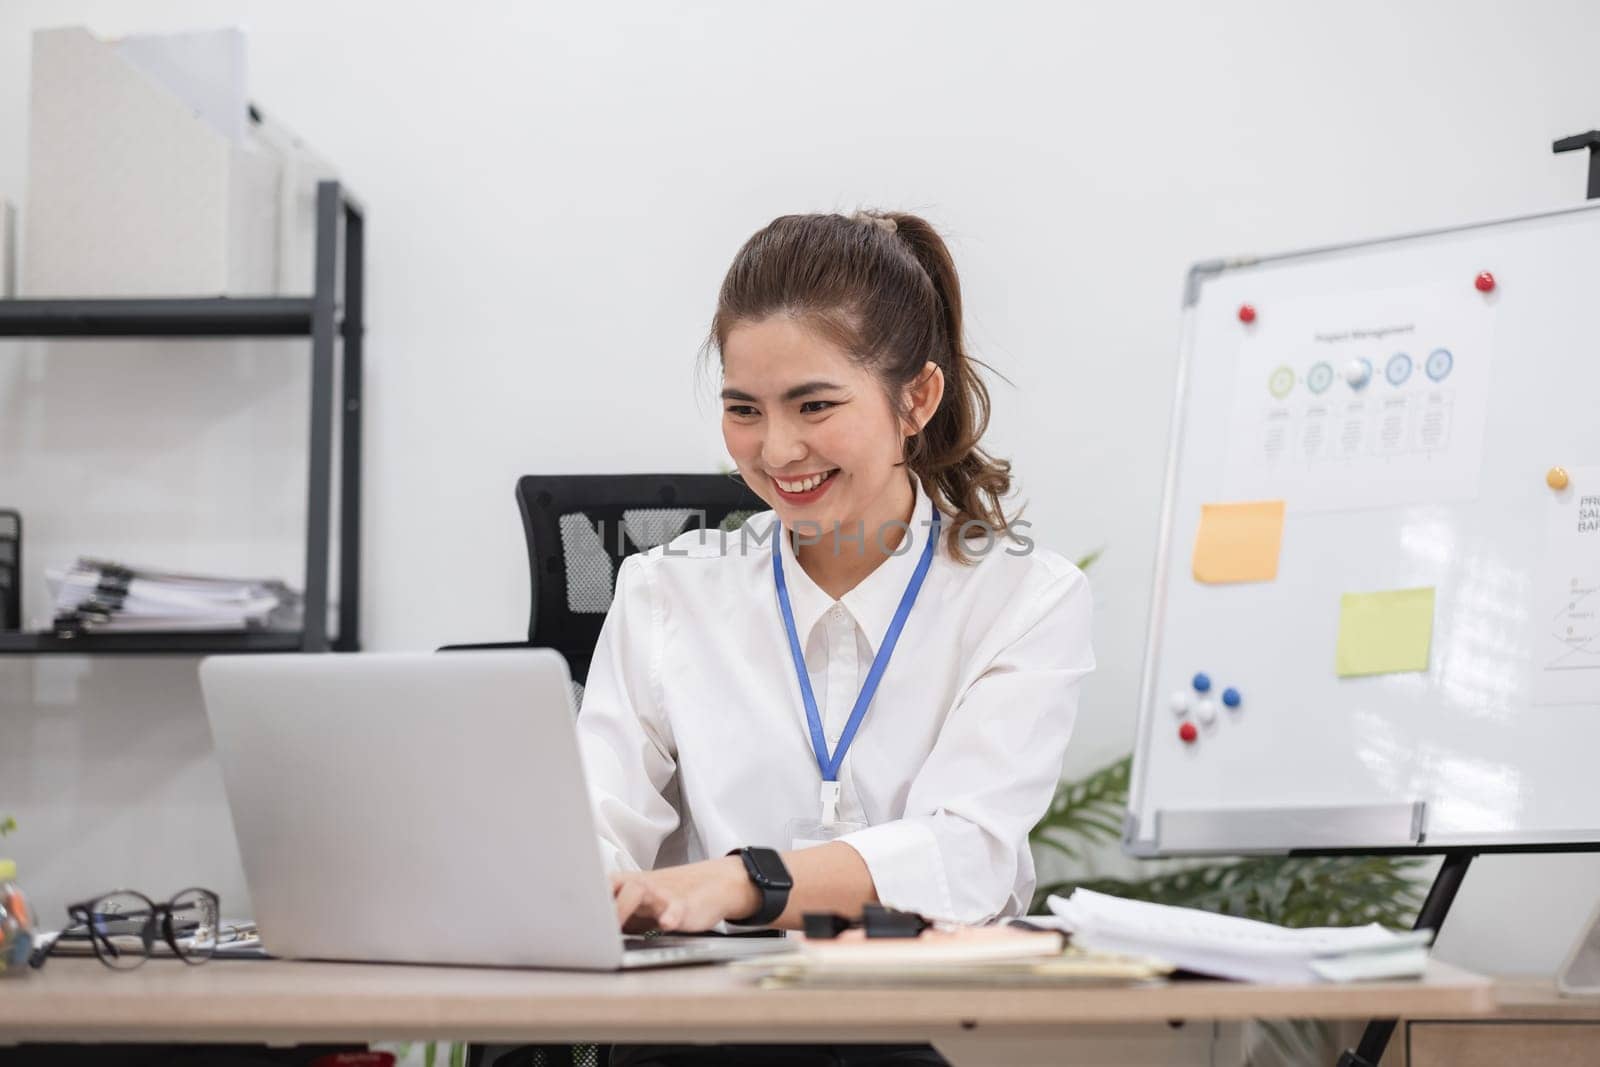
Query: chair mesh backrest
[[590, 571], [581, 527]]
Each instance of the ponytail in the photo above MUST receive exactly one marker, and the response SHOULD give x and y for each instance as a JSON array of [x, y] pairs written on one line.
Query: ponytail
[[955, 471]]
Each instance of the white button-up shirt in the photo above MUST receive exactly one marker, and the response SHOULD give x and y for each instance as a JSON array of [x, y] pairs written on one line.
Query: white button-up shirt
[[694, 733]]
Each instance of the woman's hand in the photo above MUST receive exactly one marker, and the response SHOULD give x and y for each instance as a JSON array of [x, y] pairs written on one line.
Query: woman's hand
[[692, 898]]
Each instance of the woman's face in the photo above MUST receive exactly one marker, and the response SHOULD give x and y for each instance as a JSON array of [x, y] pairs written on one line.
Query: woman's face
[[810, 430]]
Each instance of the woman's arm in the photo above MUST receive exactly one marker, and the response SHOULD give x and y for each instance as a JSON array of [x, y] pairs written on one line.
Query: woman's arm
[[625, 739], [696, 896]]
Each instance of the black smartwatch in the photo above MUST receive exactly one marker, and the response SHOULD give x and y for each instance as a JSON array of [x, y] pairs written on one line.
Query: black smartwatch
[[771, 878]]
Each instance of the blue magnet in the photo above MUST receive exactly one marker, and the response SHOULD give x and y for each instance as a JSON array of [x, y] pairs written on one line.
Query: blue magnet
[[1202, 682], [1231, 697]]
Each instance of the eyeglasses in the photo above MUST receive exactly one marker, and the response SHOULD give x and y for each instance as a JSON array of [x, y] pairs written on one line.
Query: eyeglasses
[[124, 927]]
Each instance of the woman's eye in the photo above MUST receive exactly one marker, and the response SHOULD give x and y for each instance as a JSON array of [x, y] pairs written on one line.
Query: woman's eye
[[811, 407], [742, 410]]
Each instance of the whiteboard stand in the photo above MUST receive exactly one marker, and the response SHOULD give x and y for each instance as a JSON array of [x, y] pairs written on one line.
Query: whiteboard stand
[[1591, 141], [1586, 955], [1375, 1038], [1345, 443]]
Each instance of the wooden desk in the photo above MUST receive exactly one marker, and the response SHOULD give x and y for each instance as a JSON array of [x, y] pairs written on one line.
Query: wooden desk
[[284, 1002], [1531, 1023]]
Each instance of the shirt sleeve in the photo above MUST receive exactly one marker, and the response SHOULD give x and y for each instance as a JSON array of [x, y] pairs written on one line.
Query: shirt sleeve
[[957, 852], [623, 733]]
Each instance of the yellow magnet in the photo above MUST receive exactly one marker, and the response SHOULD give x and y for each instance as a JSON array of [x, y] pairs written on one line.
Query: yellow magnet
[[1556, 478]]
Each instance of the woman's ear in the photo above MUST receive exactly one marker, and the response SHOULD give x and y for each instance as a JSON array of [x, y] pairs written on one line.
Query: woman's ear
[[923, 396]]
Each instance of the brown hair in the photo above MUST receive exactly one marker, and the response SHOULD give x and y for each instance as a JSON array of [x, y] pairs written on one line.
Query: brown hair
[[883, 287]]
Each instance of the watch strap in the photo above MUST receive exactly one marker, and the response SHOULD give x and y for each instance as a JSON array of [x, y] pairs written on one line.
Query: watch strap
[[773, 898]]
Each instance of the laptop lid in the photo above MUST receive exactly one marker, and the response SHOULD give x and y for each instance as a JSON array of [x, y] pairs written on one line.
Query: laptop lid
[[413, 807]]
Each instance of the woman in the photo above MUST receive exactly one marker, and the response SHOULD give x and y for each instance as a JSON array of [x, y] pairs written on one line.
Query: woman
[[867, 691]]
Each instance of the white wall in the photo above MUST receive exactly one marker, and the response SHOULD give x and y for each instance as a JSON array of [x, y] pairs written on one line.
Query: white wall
[[555, 190]]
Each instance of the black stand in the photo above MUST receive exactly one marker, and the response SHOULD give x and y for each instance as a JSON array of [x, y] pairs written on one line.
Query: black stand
[[1376, 1037], [1591, 141]]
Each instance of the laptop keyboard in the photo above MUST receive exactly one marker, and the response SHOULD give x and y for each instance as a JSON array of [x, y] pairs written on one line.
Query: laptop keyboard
[[646, 949], [678, 949]]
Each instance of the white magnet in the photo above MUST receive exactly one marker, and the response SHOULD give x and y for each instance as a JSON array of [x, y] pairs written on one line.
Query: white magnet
[[1357, 373], [1206, 712], [1180, 703]]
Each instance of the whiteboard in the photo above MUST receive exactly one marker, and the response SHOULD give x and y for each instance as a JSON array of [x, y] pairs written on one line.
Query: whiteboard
[[1430, 474]]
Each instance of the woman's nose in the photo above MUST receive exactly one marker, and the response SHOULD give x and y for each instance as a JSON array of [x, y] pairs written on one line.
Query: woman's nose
[[781, 447]]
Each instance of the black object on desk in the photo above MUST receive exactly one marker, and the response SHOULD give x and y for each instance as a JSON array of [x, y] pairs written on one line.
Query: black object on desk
[[876, 920]]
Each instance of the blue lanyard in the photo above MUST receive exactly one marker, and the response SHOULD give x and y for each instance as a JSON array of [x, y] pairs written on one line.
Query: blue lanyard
[[829, 765]]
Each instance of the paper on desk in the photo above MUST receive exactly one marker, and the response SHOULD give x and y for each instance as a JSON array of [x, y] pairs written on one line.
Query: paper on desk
[[1244, 949], [934, 948]]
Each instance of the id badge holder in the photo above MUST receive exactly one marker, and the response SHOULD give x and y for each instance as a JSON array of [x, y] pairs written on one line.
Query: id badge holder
[[805, 833]]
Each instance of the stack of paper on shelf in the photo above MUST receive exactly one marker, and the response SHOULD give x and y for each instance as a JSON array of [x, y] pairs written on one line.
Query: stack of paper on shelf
[[1244, 949], [950, 957], [93, 595]]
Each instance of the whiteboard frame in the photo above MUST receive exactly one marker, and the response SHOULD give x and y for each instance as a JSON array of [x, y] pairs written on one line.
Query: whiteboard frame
[[1280, 831]]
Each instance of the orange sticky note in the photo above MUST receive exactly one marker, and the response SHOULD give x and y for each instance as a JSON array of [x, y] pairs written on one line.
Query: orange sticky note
[[1238, 542]]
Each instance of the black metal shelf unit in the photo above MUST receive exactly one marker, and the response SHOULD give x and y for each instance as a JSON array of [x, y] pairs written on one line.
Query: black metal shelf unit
[[335, 328]]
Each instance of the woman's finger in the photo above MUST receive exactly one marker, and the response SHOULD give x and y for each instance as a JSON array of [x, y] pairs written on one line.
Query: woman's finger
[[628, 897]]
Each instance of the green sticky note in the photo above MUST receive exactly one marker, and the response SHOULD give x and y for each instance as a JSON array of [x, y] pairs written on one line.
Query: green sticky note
[[1386, 632]]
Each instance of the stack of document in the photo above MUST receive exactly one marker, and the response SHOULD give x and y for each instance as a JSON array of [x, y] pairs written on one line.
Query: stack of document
[[944, 957], [1243, 949], [93, 595]]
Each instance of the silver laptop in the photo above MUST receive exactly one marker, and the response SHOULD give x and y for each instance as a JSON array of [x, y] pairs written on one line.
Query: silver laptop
[[422, 808]]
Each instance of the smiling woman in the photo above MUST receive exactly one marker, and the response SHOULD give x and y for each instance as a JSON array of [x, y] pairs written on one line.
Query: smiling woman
[[865, 694]]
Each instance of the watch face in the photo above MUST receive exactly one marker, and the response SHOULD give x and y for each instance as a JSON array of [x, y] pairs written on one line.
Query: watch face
[[766, 868]]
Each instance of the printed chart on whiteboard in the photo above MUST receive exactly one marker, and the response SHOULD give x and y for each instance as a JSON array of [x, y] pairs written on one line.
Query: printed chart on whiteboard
[[1568, 655], [1364, 399]]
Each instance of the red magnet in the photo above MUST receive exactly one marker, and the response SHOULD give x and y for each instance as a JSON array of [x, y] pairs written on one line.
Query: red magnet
[[1485, 282], [1188, 733], [1247, 313]]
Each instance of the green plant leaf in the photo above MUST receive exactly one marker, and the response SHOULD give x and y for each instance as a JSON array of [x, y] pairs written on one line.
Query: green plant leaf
[[1086, 812], [1291, 891]]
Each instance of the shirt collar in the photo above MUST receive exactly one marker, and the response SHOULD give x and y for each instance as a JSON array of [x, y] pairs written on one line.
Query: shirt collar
[[874, 600]]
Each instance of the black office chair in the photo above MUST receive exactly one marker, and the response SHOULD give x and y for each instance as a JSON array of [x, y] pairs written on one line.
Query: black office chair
[[579, 528]]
